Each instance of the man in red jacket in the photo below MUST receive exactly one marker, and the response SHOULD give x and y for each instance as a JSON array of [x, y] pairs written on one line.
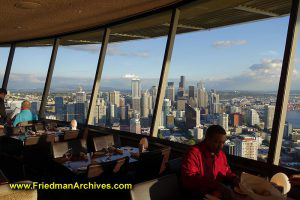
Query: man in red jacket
[[205, 167]]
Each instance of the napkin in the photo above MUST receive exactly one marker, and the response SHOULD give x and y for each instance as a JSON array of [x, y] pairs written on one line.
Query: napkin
[[258, 188]]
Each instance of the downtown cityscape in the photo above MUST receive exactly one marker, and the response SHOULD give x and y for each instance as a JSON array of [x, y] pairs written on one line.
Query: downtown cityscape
[[188, 110]]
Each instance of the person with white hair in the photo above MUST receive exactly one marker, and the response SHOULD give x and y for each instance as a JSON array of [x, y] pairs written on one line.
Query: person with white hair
[[25, 115]]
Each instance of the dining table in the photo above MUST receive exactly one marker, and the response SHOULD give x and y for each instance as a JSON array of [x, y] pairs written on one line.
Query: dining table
[[79, 166]]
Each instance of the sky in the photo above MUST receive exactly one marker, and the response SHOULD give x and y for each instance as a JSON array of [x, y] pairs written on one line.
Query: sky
[[240, 57]]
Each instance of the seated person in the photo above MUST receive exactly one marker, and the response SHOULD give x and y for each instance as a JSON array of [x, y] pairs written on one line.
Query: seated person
[[3, 116], [25, 115], [143, 147], [205, 167]]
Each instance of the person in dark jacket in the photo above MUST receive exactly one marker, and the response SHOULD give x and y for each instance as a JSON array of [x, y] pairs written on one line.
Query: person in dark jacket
[[3, 116]]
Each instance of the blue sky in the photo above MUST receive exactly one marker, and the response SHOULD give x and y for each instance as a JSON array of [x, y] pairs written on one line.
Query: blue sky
[[246, 56]]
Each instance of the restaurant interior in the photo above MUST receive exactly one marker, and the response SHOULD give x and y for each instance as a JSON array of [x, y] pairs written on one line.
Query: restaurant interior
[[69, 151]]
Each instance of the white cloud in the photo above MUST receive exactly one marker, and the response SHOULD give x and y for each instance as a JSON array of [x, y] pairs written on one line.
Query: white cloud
[[112, 50], [228, 43], [130, 76]]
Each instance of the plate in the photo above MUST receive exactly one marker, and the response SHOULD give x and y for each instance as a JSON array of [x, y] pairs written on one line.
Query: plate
[[83, 168]]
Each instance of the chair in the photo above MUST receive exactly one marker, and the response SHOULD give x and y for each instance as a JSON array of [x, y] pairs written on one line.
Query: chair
[[166, 187], [102, 142], [174, 166], [7, 193], [60, 148], [71, 134], [149, 165], [108, 169], [33, 140]]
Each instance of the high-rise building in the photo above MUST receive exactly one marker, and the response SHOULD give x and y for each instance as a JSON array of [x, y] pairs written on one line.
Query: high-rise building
[[246, 146], [145, 104], [80, 96], [191, 92], [269, 116], [135, 88], [153, 94], [122, 102], [135, 124], [252, 117], [59, 107], [223, 121], [170, 121], [182, 82], [170, 92], [166, 110], [136, 104], [70, 112], [202, 95], [100, 111], [192, 116], [214, 102], [288, 129], [80, 112], [181, 101], [235, 109], [235, 119], [114, 98]]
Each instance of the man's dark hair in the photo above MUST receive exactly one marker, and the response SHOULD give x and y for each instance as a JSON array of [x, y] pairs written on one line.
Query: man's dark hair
[[2, 90], [215, 129]]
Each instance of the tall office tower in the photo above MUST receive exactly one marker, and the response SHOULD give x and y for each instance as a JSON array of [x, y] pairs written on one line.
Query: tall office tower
[[150, 104], [123, 115], [288, 129], [170, 92], [192, 116], [80, 112], [135, 88], [166, 110], [136, 104], [192, 102], [246, 146], [182, 82], [191, 92], [153, 93], [59, 108], [235, 119], [202, 95], [181, 101], [145, 104], [223, 121], [198, 133], [229, 148], [69, 111], [214, 102], [35, 107], [112, 112], [135, 124], [100, 111], [252, 117], [80, 96], [122, 102], [269, 116], [114, 98]]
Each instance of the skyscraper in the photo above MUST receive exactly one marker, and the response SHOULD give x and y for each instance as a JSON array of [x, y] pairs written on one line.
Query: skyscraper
[[252, 117], [80, 112], [170, 92], [214, 102], [153, 93], [135, 124], [145, 104], [191, 92], [269, 116], [182, 82], [35, 107], [80, 96], [59, 107], [202, 95], [223, 121], [114, 98], [135, 88], [136, 104], [192, 116], [181, 101], [166, 111]]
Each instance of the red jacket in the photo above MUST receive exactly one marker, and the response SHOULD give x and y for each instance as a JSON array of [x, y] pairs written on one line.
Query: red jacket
[[201, 170]]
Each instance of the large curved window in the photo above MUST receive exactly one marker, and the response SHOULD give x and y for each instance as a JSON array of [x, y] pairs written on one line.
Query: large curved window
[[4, 51], [227, 76], [73, 77], [131, 74], [27, 76]]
